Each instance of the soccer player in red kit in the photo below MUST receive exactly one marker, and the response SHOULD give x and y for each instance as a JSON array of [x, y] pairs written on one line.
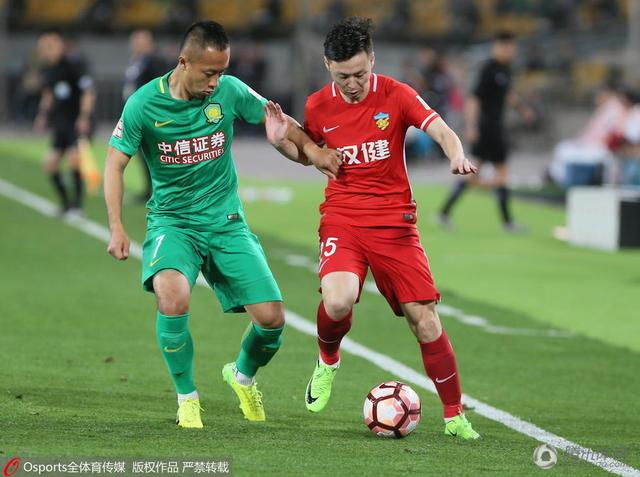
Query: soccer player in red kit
[[368, 218]]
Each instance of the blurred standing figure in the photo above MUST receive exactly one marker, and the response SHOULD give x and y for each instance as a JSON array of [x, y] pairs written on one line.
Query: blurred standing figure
[[66, 107], [145, 64], [485, 129]]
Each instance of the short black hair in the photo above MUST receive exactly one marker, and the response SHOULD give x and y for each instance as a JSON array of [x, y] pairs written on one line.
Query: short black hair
[[348, 38], [205, 34], [504, 36]]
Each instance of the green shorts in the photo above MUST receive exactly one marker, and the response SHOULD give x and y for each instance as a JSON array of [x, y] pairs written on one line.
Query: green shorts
[[232, 262]]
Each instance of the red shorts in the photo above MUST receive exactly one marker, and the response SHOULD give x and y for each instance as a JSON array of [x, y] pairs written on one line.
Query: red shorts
[[395, 255]]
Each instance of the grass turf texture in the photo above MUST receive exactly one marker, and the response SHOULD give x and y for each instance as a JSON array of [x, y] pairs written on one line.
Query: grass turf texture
[[82, 375]]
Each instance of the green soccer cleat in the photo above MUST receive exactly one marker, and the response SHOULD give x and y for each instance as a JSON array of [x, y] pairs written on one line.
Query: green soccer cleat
[[189, 414], [460, 427], [319, 387], [249, 396]]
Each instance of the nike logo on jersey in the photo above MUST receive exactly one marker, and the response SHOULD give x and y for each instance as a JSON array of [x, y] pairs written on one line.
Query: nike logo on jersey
[[326, 129], [440, 381], [153, 262], [164, 123], [175, 350]]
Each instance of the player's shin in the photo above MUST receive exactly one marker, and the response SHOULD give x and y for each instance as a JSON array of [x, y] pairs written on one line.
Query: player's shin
[[176, 345], [330, 334], [258, 346], [440, 365]]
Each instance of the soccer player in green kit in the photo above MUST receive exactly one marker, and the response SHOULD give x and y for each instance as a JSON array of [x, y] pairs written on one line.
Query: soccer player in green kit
[[183, 123]]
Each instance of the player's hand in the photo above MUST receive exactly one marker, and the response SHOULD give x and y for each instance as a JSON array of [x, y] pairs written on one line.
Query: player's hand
[[40, 123], [327, 161], [119, 244], [276, 124], [463, 166]]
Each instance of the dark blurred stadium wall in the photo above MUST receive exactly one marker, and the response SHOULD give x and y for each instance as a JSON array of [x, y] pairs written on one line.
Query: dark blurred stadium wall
[[570, 46]]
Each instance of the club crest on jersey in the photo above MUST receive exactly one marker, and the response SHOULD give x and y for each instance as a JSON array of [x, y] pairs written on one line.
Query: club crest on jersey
[[213, 113], [382, 120]]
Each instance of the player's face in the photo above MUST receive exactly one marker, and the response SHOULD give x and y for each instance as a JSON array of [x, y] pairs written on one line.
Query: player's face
[[505, 51], [50, 48], [203, 72], [352, 76]]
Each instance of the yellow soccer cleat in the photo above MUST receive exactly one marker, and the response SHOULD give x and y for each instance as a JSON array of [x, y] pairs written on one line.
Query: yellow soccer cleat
[[189, 414], [249, 396], [461, 428]]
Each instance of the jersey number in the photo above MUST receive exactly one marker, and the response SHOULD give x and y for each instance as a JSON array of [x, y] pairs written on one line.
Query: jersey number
[[159, 240], [329, 247]]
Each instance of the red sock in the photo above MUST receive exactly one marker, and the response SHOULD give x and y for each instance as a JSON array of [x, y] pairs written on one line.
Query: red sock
[[330, 334], [439, 362]]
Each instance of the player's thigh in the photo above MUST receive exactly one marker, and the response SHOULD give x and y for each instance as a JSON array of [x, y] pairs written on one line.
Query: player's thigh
[[171, 248], [173, 292], [342, 263], [237, 269], [400, 267]]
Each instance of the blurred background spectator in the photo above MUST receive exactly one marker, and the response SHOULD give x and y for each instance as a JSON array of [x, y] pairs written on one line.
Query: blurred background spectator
[[569, 50]]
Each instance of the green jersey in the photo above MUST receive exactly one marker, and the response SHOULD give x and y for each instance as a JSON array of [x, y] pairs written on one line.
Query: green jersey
[[187, 146]]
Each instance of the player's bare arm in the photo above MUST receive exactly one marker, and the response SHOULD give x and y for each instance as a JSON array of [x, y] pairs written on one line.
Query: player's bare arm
[[87, 103], [115, 164], [452, 147], [46, 102], [471, 118], [286, 135]]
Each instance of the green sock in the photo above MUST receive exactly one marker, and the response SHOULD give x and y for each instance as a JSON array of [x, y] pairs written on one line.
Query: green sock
[[258, 346], [176, 346]]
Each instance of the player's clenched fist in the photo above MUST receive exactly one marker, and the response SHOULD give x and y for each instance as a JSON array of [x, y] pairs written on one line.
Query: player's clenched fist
[[462, 166], [119, 245], [327, 161]]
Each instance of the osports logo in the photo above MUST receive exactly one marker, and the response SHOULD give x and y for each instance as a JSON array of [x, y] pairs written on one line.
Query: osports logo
[[12, 467]]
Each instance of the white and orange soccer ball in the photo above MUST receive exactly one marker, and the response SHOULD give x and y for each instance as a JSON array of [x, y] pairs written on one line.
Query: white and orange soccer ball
[[392, 409]]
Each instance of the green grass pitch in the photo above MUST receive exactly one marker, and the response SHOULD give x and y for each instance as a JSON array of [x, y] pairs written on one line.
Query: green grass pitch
[[81, 374]]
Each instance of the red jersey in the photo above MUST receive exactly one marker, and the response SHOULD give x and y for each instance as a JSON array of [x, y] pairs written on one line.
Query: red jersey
[[372, 188]]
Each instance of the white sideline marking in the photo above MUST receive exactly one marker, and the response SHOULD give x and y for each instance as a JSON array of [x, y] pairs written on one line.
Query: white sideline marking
[[402, 371], [302, 261]]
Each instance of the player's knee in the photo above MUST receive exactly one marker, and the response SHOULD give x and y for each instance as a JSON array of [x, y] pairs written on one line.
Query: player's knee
[[172, 304], [50, 166], [337, 305], [272, 320]]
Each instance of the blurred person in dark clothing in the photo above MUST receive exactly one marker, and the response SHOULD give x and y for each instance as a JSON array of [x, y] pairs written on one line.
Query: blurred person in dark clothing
[[485, 129], [66, 106], [145, 64]]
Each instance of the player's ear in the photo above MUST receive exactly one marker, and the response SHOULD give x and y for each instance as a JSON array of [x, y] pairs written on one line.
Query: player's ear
[[372, 58], [182, 62], [326, 64]]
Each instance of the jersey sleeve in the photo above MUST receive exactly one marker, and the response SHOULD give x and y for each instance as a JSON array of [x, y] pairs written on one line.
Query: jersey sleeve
[[249, 105], [310, 124], [415, 111], [127, 135], [482, 83], [83, 78]]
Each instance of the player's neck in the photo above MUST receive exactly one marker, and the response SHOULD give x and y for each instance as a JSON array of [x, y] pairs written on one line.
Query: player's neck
[[176, 86]]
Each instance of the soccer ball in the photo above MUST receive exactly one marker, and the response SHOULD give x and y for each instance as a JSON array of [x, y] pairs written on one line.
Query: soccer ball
[[392, 409]]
